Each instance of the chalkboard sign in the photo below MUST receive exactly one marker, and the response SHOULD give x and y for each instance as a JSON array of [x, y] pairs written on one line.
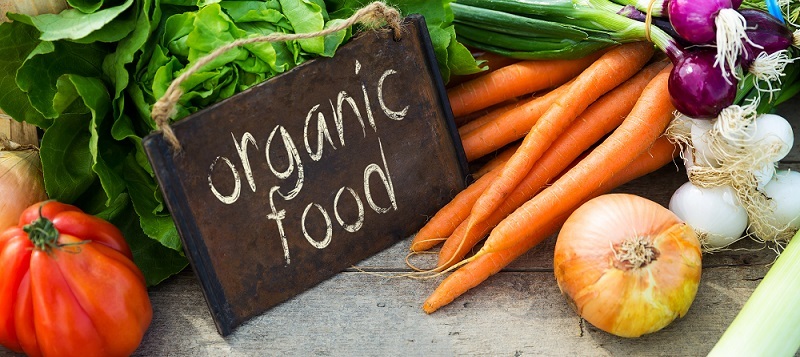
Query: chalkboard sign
[[294, 180]]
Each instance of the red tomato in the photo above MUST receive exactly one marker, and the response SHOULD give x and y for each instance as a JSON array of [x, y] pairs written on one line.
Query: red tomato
[[69, 287]]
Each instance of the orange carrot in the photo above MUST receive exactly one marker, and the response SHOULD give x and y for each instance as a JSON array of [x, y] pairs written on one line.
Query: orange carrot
[[646, 122], [489, 115], [610, 70], [475, 272], [470, 119], [596, 121], [498, 160], [509, 126], [445, 221], [512, 81]]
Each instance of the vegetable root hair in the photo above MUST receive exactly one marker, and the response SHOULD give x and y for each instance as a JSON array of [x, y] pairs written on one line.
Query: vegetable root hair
[[418, 273], [768, 69], [738, 156], [730, 25]]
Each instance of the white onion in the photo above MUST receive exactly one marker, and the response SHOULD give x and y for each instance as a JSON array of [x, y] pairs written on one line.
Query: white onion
[[715, 213], [772, 129], [784, 192], [701, 139], [764, 174]]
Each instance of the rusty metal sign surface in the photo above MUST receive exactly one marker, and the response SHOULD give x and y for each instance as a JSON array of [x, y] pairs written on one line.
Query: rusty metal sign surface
[[294, 180]]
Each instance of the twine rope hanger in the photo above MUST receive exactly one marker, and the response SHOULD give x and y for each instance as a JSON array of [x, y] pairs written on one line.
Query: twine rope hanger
[[648, 20], [370, 16]]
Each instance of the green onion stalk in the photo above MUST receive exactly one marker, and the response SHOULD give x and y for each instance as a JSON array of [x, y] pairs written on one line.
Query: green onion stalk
[[513, 28], [552, 29], [656, 8], [768, 323]]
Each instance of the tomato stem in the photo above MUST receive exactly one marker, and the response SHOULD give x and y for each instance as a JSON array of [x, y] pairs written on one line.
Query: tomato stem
[[42, 232]]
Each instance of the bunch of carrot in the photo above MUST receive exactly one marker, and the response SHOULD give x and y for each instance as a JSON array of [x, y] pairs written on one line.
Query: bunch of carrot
[[598, 126]]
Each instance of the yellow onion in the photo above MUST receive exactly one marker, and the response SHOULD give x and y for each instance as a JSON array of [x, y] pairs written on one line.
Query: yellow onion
[[627, 265], [21, 182]]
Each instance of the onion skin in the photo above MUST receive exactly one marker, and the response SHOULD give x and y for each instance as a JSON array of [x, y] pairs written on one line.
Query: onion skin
[[21, 184], [694, 20], [766, 31], [608, 292], [697, 88]]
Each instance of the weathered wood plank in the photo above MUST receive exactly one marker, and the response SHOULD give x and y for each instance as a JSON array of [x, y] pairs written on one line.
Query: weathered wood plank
[[514, 313], [518, 311]]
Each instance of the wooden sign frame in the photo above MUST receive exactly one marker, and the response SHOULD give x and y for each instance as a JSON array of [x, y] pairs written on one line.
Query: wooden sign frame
[[298, 178]]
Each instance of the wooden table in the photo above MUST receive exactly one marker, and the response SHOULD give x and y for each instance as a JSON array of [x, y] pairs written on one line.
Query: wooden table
[[519, 311]]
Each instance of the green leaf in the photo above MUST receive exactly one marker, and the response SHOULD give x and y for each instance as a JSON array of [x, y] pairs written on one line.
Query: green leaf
[[437, 13], [73, 24], [453, 58], [123, 129], [17, 40], [114, 65], [213, 29], [156, 261], [286, 56], [143, 191], [90, 104], [332, 41], [39, 74], [107, 155], [86, 6], [255, 11], [176, 28], [460, 60], [203, 3], [306, 17], [94, 201], [114, 31], [192, 3], [66, 158], [441, 39]]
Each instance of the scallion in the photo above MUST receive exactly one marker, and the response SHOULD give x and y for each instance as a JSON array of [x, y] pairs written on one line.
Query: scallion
[[768, 323]]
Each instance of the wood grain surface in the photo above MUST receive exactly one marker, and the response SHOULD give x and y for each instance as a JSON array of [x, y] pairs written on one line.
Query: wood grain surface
[[369, 311]]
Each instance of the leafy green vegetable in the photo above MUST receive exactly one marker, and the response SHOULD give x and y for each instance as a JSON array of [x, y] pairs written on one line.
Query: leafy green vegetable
[[306, 16], [68, 142], [453, 57], [73, 24], [89, 77], [86, 6], [59, 58], [16, 42]]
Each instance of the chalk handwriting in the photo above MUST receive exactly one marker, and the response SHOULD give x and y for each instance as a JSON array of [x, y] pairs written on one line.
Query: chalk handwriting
[[285, 163]]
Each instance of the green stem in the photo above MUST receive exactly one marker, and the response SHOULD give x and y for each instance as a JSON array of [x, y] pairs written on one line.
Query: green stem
[[42, 233], [767, 323]]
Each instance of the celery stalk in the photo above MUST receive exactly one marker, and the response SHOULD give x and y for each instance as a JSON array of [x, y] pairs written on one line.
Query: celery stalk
[[768, 324]]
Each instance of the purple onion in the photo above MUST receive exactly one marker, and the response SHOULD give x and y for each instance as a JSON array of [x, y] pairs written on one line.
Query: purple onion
[[766, 31], [696, 87], [694, 19]]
